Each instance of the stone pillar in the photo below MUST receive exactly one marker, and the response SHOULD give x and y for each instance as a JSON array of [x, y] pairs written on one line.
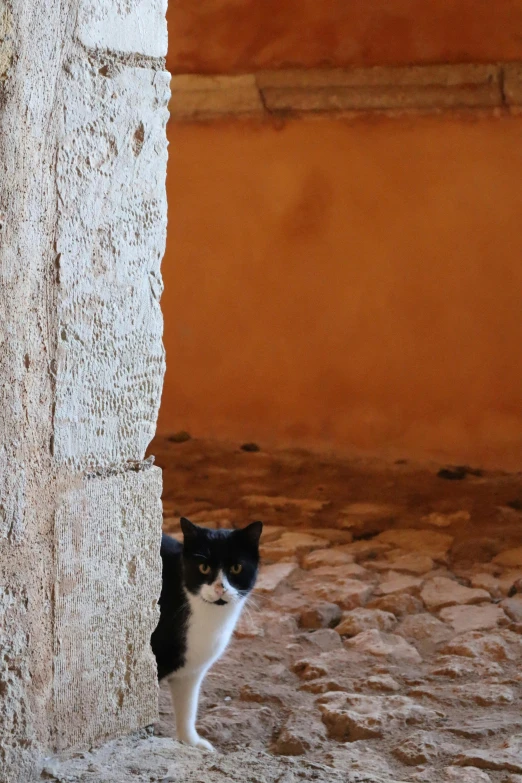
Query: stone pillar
[[83, 110]]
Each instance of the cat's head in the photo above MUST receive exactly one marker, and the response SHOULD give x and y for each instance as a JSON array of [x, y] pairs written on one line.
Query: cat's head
[[220, 566]]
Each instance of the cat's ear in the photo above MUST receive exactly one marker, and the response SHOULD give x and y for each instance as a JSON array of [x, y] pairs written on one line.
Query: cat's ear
[[189, 528], [252, 532]]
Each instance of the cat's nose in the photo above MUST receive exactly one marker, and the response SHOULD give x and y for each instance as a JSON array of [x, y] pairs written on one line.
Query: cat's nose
[[219, 588]]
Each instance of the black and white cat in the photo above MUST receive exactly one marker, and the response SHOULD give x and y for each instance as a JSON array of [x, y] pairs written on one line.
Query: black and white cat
[[206, 581]]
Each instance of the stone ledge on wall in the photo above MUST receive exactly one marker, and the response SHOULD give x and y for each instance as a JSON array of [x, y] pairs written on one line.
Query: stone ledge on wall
[[208, 96], [512, 84], [338, 90]]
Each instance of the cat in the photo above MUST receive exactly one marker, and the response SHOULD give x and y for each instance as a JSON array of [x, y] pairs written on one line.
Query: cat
[[206, 582]]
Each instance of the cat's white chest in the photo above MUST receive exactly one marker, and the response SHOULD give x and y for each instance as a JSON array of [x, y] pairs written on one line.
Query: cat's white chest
[[209, 631]]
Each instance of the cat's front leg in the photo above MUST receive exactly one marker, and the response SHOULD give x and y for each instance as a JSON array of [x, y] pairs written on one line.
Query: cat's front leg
[[184, 691]]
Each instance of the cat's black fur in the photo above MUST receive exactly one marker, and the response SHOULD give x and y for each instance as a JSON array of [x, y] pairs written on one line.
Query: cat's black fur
[[220, 549]]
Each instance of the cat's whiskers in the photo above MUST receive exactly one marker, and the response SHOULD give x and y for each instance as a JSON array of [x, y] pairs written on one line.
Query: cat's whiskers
[[252, 601], [250, 617]]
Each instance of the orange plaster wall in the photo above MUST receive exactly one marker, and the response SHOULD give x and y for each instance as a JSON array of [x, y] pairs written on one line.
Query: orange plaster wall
[[222, 36], [355, 284]]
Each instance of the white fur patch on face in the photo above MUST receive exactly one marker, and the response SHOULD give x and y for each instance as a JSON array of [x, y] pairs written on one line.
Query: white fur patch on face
[[219, 592]]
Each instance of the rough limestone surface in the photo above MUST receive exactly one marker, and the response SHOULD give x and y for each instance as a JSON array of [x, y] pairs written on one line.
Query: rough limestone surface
[[109, 241], [103, 625], [360, 619], [137, 28], [441, 592], [389, 645], [473, 618], [466, 775], [83, 96], [166, 761], [271, 576], [352, 716]]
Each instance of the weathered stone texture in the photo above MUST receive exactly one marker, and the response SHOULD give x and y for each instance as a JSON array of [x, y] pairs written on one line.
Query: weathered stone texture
[[16, 726], [110, 240], [107, 587], [29, 75], [132, 27], [6, 41], [82, 226]]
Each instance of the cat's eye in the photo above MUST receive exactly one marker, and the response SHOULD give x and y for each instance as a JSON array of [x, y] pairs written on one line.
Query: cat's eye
[[236, 569], [204, 568]]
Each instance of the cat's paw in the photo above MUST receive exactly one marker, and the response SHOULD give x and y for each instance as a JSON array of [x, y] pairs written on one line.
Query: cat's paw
[[196, 741], [204, 744]]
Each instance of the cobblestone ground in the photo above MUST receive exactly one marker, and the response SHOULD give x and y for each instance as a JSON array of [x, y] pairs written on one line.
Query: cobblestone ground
[[383, 642], [385, 634]]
